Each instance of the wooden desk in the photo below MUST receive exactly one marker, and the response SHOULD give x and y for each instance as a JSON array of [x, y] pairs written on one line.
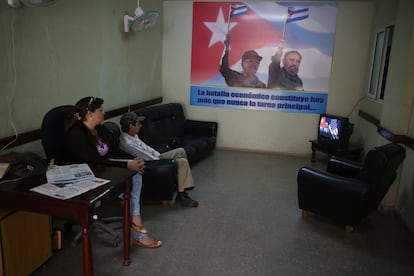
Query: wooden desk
[[352, 152], [24, 251], [16, 196]]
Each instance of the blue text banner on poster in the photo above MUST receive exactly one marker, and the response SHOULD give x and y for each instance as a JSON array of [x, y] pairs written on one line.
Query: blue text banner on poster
[[258, 99]]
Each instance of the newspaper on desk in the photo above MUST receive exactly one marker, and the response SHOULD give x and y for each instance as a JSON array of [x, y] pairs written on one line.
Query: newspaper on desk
[[68, 181]]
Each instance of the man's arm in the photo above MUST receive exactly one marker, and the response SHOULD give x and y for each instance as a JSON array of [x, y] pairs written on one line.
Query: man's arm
[[274, 66], [226, 72], [224, 65], [126, 145]]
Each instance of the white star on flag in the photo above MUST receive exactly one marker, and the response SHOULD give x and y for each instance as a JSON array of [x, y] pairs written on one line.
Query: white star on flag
[[218, 28]]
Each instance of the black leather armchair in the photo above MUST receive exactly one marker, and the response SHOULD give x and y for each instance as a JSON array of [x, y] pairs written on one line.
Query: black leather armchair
[[159, 181], [348, 191]]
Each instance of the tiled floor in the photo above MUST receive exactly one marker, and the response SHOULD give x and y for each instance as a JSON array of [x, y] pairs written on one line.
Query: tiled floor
[[248, 223]]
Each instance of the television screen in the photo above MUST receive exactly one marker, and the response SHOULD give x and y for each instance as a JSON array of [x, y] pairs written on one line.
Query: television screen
[[334, 131], [330, 127]]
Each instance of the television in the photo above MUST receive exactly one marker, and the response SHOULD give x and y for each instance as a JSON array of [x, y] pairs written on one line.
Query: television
[[334, 131]]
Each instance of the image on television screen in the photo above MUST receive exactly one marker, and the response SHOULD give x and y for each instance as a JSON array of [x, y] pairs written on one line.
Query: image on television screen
[[329, 127]]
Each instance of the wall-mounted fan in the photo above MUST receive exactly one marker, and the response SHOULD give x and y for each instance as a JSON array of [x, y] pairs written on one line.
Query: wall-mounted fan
[[141, 21], [30, 3]]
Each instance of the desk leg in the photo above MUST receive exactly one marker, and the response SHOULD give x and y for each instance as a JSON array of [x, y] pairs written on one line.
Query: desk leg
[[127, 221], [87, 253]]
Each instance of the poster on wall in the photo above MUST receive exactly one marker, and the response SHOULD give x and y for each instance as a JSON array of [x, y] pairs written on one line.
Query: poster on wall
[[272, 56]]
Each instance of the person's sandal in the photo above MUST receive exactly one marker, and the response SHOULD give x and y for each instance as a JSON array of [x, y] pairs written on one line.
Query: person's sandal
[[154, 244], [139, 228]]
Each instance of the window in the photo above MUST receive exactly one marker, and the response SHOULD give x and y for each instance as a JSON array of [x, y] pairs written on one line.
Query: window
[[380, 61]]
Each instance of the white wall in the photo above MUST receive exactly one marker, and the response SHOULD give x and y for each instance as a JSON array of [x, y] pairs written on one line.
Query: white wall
[[269, 131]]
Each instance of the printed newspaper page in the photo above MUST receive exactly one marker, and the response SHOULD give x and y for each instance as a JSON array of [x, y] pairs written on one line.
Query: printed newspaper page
[[69, 173], [68, 181], [69, 189]]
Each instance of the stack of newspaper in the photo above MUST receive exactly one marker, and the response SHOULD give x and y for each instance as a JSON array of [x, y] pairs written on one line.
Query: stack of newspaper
[[68, 181]]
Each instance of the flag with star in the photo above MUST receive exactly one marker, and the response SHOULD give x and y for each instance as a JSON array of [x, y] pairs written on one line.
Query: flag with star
[[259, 26], [210, 23]]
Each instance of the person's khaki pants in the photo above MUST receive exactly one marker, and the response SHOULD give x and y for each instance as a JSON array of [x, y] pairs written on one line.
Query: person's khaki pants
[[185, 178]]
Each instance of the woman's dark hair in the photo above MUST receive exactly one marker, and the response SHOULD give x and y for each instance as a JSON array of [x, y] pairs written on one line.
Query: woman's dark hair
[[81, 108], [78, 115]]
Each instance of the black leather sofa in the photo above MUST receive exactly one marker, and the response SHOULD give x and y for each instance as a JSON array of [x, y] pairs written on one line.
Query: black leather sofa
[[348, 191], [165, 128]]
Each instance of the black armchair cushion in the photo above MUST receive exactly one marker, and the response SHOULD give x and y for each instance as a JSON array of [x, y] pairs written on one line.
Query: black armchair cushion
[[159, 179], [163, 123], [349, 191], [343, 167], [53, 133], [200, 128]]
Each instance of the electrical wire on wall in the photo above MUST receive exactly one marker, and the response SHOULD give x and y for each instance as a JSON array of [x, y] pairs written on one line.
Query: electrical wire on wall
[[356, 104], [14, 82]]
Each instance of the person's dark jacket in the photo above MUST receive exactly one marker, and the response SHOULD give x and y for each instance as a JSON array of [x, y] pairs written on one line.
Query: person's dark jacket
[[279, 78], [234, 78], [80, 144]]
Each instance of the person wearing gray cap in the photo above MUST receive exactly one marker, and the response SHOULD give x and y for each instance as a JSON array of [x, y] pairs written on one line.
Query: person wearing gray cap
[[130, 142], [250, 64]]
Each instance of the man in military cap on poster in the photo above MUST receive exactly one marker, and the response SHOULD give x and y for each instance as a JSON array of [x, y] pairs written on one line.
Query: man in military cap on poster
[[250, 64]]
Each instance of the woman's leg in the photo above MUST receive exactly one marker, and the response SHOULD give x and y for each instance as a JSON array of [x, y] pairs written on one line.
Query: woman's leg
[[139, 233], [135, 199]]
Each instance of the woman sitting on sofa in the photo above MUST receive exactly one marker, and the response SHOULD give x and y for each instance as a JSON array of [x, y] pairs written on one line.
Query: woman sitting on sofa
[[87, 141]]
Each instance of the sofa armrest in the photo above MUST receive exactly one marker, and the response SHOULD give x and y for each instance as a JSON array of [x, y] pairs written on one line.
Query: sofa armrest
[[343, 167], [322, 182], [159, 180], [162, 164], [200, 128]]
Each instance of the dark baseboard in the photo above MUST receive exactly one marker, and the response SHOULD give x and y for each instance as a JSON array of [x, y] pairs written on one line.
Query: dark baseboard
[[34, 135]]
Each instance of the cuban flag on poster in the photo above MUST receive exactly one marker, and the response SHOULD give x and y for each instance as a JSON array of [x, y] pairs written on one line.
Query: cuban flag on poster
[[237, 10], [296, 14]]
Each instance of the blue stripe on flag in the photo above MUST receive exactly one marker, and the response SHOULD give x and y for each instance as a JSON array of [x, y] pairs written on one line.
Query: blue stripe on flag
[[296, 15], [301, 10], [290, 20], [237, 10]]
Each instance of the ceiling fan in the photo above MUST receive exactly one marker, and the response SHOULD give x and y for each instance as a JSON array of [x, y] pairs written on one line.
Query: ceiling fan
[[141, 20], [30, 3]]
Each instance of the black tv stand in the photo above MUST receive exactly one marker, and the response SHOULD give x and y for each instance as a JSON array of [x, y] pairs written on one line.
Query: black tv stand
[[352, 152]]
